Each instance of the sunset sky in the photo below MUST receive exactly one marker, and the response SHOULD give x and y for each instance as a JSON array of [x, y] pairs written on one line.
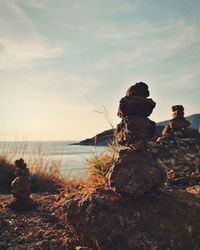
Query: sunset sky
[[60, 60]]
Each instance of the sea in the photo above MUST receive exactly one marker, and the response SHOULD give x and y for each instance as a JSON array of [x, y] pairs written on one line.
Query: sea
[[72, 159]]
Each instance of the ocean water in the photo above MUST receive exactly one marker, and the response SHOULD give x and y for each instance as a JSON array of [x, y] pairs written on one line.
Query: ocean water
[[71, 158]]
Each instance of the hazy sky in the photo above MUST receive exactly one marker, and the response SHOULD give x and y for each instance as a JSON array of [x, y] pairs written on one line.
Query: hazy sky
[[60, 60]]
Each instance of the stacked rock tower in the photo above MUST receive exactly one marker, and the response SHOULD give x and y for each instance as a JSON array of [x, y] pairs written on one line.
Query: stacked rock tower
[[135, 128], [178, 126], [21, 187], [134, 172]]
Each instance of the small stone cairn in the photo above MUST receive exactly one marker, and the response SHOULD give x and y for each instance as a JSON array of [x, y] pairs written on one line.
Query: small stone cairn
[[21, 188], [134, 172], [176, 150], [178, 127]]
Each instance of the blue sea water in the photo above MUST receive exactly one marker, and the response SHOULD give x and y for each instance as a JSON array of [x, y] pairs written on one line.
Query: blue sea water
[[71, 158]]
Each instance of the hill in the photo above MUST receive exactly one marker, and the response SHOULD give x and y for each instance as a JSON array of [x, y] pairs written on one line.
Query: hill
[[102, 139], [193, 119]]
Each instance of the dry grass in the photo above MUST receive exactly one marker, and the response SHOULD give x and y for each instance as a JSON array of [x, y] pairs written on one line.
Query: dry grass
[[44, 172], [98, 167], [6, 175]]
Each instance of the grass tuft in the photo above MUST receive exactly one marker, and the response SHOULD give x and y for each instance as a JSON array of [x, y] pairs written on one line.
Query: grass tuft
[[98, 167], [7, 174], [44, 173]]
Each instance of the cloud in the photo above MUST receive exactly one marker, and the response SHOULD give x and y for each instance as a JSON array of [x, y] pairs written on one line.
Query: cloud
[[123, 6], [20, 42], [38, 4], [145, 42]]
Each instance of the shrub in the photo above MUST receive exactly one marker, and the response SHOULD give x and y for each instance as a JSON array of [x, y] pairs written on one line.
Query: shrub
[[45, 176], [7, 174]]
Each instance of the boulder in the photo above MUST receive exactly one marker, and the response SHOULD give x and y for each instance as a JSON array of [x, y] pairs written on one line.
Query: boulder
[[134, 173], [158, 220]]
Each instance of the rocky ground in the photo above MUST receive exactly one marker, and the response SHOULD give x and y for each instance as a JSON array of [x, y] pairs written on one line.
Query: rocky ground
[[162, 219], [42, 228]]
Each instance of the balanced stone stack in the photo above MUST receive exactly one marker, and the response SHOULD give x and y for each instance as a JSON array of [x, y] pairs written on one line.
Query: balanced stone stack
[[178, 126], [21, 187], [135, 128], [134, 172]]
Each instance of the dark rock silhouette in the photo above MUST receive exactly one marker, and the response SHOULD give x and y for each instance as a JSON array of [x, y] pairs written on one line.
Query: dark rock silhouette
[[134, 172], [135, 128], [158, 220], [178, 126], [21, 188]]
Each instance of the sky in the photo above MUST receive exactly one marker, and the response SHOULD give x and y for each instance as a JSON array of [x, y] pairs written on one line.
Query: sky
[[63, 63]]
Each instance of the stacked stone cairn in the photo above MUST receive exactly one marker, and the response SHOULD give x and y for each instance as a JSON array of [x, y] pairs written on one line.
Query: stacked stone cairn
[[178, 127], [134, 172], [177, 151], [21, 188]]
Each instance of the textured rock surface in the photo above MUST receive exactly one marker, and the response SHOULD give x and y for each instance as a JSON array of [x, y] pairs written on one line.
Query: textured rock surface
[[178, 126], [134, 131], [135, 105], [134, 173], [138, 89], [21, 188], [160, 220], [135, 128], [180, 159]]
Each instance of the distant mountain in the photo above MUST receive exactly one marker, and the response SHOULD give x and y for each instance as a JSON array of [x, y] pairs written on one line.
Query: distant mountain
[[100, 139], [103, 138], [193, 119]]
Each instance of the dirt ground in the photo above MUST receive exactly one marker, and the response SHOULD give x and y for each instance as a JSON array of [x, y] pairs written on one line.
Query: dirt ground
[[41, 228]]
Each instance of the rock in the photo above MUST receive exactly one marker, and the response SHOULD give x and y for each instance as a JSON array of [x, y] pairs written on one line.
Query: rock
[[178, 126], [135, 105], [135, 129], [21, 188], [82, 248], [194, 189], [134, 173], [157, 220], [138, 89], [180, 155]]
